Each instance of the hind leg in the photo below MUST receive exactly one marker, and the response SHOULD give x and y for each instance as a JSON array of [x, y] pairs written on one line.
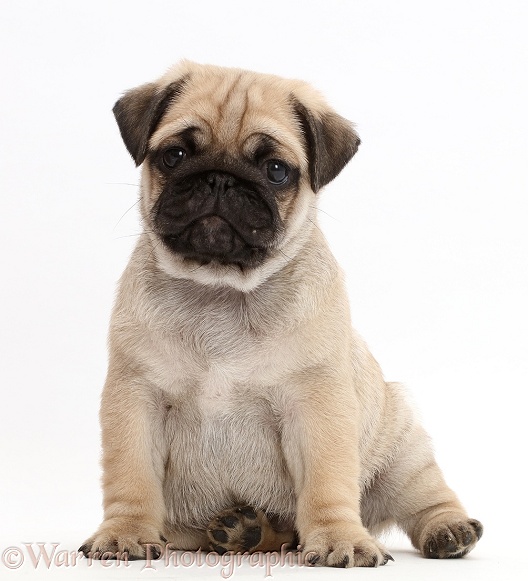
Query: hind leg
[[413, 494], [431, 514]]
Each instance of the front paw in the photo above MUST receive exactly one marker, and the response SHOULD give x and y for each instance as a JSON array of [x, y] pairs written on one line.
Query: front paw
[[341, 546], [124, 539]]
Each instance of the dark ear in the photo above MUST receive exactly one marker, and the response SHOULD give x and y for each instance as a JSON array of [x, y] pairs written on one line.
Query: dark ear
[[330, 143], [139, 112]]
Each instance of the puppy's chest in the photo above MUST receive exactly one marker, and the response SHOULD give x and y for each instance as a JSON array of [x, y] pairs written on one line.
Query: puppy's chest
[[218, 390], [216, 364]]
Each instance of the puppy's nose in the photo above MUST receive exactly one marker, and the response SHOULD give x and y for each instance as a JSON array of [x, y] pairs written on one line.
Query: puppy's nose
[[220, 182]]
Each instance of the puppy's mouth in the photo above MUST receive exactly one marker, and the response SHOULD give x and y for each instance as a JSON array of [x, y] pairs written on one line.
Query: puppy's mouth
[[212, 238], [213, 216]]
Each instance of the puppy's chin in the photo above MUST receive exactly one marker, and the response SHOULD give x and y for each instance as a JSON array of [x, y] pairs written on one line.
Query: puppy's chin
[[244, 278], [213, 239], [214, 273]]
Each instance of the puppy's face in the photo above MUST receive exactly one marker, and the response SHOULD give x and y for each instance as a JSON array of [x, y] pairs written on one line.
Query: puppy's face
[[232, 161]]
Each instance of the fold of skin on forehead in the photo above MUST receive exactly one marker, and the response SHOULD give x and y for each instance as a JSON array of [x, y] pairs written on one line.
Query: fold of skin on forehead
[[229, 108]]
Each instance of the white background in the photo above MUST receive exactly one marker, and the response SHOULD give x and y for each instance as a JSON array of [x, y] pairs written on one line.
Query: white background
[[428, 221]]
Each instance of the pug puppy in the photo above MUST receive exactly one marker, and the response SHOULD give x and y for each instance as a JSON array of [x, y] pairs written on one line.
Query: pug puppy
[[241, 410]]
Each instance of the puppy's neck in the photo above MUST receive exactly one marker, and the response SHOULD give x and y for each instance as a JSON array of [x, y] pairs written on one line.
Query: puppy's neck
[[289, 294], [308, 243]]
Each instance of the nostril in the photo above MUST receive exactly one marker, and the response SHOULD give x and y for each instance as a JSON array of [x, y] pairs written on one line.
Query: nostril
[[219, 182]]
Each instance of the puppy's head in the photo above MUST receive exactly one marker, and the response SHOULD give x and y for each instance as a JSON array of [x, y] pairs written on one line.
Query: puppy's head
[[232, 161]]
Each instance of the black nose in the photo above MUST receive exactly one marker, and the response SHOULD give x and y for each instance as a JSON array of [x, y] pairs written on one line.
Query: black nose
[[219, 182]]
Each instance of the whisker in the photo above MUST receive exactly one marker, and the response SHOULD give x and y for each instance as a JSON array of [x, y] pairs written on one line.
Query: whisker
[[152, 251], [284, 254], [136, 234], [197, 268], [117, 223], [120, 184], [316, 225], [127, 236], [325, 212]]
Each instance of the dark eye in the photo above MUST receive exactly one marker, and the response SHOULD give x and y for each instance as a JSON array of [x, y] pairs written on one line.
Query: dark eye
[[173, 156], [277, 172]]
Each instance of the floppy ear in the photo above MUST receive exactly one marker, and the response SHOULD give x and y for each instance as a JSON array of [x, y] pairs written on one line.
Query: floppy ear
[[330, 143], [139, 112]]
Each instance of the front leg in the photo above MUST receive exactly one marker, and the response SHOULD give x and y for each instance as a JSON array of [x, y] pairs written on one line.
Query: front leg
[[132, 469], [320, 443]]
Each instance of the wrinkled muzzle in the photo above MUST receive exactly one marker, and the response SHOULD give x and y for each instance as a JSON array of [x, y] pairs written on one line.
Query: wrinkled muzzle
[[217, 216]]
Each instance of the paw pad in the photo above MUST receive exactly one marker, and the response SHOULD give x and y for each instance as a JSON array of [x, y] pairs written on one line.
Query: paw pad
[[238, 529]]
